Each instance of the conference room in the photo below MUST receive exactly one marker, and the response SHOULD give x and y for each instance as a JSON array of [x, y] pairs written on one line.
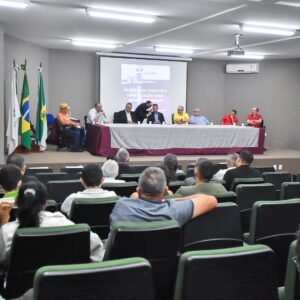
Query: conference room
[[112, 112]]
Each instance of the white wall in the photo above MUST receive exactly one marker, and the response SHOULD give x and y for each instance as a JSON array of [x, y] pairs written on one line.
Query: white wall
[[2, 126]]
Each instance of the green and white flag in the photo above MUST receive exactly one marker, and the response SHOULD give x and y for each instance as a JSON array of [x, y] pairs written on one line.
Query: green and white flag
[[41, 120], [14, 115]]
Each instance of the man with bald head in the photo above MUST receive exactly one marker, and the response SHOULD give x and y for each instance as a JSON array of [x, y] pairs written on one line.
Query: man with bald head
[[255, 119], [197, 119]]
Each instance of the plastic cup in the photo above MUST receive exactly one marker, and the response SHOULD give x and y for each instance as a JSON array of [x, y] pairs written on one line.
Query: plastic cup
[[279, 167]]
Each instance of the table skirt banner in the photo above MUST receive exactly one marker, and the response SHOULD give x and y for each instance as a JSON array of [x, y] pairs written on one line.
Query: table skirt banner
[[178, 139]]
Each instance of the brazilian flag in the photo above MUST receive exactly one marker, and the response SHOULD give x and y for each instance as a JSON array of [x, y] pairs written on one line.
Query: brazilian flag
[[24, 127]]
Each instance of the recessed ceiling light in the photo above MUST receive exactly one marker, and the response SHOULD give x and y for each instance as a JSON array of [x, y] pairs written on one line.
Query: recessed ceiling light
[[267, 30], [118, 15], [94, 43], [294, 4], [15, 3], [173, 49]]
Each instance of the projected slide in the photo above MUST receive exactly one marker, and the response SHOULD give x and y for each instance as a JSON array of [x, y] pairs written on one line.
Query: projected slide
[[125, 80], [146, 82]]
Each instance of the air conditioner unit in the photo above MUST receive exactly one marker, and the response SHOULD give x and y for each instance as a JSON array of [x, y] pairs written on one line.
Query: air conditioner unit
[[242, 68]]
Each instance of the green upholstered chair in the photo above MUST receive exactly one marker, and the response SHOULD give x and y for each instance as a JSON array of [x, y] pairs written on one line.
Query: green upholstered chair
[[290, 190], [130, 177], [159, 242], [240, 273], [277, 178], [121, 189], [274, 224], [264, 169], [129, 278], [46, 177], [248, 194], [34, 170], [72, 170], [238, 181], [226, 197], [36, 247], [220, 228], [174, 196], [95, 212]]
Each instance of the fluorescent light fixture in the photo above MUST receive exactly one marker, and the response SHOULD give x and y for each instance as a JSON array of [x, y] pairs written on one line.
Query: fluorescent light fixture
[[287, 3], [249, 56], [15, 4], [94, 44], [271, 25], [177, 50], [118, 15], [124, 10], [267, 30]]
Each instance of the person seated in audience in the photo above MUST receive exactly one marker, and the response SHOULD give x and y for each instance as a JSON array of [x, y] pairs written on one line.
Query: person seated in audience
[[154, 116], [126, 116], [231, 164], [91, 179], [243, 169], [96, 115], [142, 110], [31, 203], [151, 204], [10, 180], [230, 119], [110, 170], [71, 127], [19, 161], [255, 119], [204, 171], [170, 163], [122, 157], [197, 119], [180, 117]]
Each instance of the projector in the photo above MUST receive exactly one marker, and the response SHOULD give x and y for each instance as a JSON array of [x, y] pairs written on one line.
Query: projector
[[236, 51]]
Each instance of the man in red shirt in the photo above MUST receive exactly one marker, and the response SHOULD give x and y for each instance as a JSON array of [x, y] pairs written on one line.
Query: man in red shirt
[[255, 119], [230, 119]]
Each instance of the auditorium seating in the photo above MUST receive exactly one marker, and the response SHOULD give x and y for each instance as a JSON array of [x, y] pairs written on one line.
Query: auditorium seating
[[219, 166], [190, 172], [291, 289], [220, 228], [238, 181], [130, 177], [139, 168], [45, 177], [226, 197], [265, 169], [175, 185], [277, 178], [159, 242], [34, 170], [121, 189], [33, 248], [297, 176], [238, 273], [248, 194], [61, 189], [274, 223], [72, 170], [129, 278], [290, 190], [95, 212]]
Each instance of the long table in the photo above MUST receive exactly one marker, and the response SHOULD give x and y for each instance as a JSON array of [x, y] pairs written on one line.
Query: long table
[[144, 139]]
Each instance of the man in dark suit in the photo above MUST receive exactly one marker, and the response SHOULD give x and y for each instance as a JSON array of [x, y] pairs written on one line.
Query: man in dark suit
[[155, 117], [142, 110], [243, 169], [125, 116]]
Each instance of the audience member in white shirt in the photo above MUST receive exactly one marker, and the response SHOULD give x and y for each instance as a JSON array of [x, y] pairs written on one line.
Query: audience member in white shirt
[[231, 164], [110, 171], [96, 115], [91, 179]]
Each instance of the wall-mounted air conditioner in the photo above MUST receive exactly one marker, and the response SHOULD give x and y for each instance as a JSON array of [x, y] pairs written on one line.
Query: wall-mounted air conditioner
[[242, 68]]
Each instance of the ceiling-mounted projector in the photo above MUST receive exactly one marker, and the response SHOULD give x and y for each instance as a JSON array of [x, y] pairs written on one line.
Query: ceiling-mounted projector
[[237, 50]]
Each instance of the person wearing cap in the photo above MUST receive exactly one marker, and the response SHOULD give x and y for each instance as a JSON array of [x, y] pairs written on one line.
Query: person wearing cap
[[180, 117], [197, 119], [71, 127]]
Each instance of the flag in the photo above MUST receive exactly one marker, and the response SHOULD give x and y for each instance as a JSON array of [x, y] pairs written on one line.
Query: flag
[[13, 115], [24, 127], [41, 121]]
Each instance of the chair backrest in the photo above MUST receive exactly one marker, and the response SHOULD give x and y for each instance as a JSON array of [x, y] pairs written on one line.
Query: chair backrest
[[139, 168], [94, 212], [220, 228], [33, 248], [238, 181], [60, 190], [226, 197], [190, 172], [298, 176], [175, 185], [50, 119], [121, 189], [219, 166], [34, 170], [45, 177], [274, 223], [277, 178], [130, 177], [159, 242], [72, 170], [106, 280], [265, 169], [248, 194], [290, 190], [173, 196], [235, 273]]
